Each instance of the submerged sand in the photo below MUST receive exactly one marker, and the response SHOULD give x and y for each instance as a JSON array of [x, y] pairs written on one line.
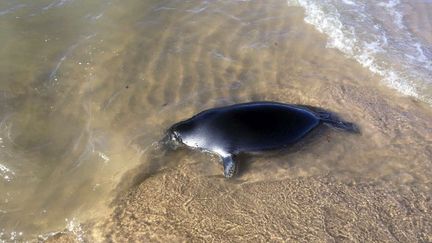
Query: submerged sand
[[349, 198], [311, 209], [373, 187], [154, 63]]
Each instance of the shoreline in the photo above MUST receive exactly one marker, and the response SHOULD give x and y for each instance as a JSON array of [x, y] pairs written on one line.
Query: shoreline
[[152, 64], [368, 194], [373, 187]]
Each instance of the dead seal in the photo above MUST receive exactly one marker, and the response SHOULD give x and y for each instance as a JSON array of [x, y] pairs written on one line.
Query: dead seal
[[250, 128]]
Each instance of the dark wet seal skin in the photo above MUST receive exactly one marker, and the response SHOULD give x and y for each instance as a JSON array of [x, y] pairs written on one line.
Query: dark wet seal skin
[[250, 128]]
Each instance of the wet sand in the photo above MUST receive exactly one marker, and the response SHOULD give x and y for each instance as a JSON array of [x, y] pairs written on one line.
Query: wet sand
[[375, 187], [334, 187], [174, 207], [163, 63]]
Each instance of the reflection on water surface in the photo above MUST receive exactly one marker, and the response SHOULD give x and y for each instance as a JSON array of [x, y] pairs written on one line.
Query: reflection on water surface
[[87, 89]]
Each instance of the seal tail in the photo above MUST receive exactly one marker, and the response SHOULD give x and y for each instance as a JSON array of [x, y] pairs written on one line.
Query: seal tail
[[330, 120]]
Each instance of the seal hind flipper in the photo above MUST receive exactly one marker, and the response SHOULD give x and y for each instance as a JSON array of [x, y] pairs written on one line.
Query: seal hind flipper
[[331, 120], [230, 166]]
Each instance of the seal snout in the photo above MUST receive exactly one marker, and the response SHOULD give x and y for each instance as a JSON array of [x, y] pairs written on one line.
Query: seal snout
[[172, 139]]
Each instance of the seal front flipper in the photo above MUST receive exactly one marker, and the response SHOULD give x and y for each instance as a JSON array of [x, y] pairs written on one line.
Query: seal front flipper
[[230, 166]]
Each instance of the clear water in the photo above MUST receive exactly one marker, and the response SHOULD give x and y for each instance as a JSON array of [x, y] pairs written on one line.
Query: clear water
[[382, 37], [87, 89]]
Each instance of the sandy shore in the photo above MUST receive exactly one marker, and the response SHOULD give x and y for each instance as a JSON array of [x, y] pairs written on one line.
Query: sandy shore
[[370, 195], [375, 187], [312, 209], [154, 63]]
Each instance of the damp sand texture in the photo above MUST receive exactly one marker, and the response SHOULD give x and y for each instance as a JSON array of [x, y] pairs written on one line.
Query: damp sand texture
[[87, 91]]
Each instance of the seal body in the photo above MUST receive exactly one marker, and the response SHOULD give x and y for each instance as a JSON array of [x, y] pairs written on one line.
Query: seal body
[[248, 128]]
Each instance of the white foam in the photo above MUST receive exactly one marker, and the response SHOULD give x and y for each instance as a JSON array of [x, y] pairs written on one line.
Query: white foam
[[74, 227], [11, 9], [6, 173], [349, 2], [363, 37], [391, 7], [56, 4]]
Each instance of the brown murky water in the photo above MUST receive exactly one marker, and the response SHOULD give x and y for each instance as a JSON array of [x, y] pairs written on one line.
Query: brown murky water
[[87, 90]]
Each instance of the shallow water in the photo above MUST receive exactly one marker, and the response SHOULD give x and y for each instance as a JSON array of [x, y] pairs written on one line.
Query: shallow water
[[87, 90], [381, 37]]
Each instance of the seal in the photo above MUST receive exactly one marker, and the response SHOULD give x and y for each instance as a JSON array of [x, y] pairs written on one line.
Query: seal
[[250, 128]]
